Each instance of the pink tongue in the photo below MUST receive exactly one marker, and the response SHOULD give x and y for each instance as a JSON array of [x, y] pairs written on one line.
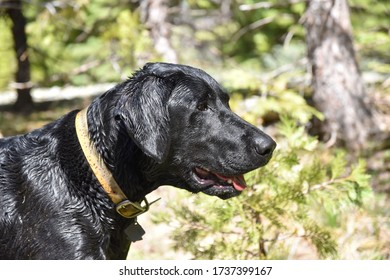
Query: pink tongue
[[238, 181]]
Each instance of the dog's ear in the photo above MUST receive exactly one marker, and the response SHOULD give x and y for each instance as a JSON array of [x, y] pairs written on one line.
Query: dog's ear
[[143, 109]]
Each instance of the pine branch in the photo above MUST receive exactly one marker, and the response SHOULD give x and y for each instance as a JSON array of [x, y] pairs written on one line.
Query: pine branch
[[324, 185]]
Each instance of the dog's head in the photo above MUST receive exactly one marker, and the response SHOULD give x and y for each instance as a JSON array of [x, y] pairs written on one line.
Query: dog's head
[[180, 117]]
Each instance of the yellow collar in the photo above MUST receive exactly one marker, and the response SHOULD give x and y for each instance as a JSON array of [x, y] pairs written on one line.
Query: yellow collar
[[124, 207]]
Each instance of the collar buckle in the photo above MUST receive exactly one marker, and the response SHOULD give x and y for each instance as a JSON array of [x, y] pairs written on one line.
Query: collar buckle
[[129, 210]]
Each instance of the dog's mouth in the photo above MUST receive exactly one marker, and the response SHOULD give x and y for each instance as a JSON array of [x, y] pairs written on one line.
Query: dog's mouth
[[217, 184]]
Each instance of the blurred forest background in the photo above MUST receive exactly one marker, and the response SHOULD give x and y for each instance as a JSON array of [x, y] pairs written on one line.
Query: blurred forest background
[[313, 74]]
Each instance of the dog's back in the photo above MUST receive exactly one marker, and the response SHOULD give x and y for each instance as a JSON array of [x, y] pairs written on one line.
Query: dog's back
[[40, 214]]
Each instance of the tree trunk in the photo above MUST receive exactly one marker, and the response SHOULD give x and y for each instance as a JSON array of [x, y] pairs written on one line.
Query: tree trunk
[[338, 87], [155, 17], [24, 101]]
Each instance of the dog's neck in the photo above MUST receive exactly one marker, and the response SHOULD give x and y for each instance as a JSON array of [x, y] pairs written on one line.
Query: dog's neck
[[119, 152]]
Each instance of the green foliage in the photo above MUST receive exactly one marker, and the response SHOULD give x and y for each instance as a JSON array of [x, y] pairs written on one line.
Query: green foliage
[[7, 63], [129, 39], [262, 28], [300, 195], [258, 28], [84, 41], [79, 42], [271, 93], [371, 34]]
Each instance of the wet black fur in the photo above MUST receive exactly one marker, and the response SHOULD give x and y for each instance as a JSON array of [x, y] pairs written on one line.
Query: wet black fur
[[151, 130]]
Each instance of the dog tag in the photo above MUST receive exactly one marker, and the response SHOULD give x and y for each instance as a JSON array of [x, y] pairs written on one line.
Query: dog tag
[[134, 232]]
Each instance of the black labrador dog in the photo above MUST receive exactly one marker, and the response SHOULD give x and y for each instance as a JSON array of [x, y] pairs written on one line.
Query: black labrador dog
[[167, 125]]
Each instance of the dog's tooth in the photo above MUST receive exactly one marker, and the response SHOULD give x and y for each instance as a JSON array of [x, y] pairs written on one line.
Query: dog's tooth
[[230, 181]]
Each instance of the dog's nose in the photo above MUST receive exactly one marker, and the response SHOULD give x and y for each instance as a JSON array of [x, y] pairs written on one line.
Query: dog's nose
[[265, 146]]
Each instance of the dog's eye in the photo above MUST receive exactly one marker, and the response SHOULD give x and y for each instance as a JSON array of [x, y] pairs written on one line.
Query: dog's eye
[[202, 106]]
